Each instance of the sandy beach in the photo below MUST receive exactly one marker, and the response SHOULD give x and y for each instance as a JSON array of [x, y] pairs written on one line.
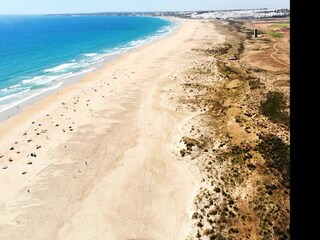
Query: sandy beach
[[96, 159]]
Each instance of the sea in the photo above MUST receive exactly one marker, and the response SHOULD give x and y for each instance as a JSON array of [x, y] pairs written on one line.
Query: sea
[[41, 53]]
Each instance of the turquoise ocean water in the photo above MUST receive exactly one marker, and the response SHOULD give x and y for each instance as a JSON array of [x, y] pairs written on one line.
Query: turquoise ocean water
[[41, 53]]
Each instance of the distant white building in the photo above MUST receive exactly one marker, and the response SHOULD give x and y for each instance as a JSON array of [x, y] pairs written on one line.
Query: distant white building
[[242, 14]]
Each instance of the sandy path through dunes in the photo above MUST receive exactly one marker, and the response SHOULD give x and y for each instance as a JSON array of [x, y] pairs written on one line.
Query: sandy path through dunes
[[274, 58], [104, 170]]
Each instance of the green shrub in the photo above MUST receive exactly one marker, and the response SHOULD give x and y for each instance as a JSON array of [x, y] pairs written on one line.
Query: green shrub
[[274, 107], [277, 156], [275, 34]]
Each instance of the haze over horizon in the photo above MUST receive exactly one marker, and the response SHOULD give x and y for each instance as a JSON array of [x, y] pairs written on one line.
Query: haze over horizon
[[84, 6]]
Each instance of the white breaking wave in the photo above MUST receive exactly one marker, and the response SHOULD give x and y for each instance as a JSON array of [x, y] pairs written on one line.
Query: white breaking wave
[[14, 86], [45, 79], [60, 68], [2, 99], [90, 54], [26, 98]]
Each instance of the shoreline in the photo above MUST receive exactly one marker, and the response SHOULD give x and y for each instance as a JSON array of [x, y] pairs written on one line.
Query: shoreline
[[18, 108]]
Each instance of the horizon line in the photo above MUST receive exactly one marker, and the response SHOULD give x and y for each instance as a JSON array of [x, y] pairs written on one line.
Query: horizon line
[[162, 11]]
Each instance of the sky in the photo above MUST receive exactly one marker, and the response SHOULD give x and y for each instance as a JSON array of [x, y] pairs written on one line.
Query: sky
[[87, 6]]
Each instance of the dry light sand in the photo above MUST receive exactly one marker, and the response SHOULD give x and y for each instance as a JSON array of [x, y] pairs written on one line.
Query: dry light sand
[[102, 167]]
